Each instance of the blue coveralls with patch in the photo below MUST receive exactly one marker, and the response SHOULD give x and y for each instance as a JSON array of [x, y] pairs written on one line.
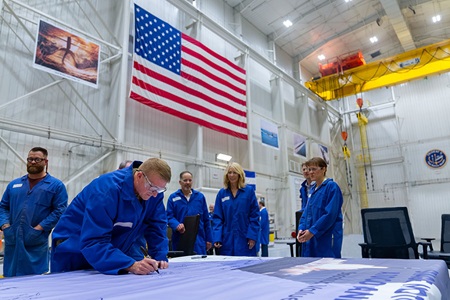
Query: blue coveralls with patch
[[321, 217], [178, 208], [26, 249], [105, 225], [235, 220]]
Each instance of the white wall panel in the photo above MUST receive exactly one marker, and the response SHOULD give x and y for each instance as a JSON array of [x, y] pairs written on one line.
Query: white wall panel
[[82, 110]]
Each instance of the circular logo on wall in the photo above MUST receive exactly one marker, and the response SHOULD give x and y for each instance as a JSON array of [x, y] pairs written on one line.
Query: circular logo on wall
[[435, 158]]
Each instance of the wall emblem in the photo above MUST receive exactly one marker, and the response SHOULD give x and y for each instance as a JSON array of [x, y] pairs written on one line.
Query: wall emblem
[[435, 158]]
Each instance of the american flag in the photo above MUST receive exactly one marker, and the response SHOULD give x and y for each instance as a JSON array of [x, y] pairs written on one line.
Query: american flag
[[176, 74]]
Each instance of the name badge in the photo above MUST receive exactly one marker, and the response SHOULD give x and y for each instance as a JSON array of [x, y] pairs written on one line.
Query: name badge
[[124, 224], [225, 198], [17, 185], [176, 199]]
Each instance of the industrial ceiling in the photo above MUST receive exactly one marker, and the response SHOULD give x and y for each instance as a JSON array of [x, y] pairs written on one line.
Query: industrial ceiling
[[336, 27]]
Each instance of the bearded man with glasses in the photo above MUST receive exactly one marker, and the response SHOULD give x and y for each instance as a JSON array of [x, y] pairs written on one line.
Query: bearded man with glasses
[[30, 208], [110, 222]]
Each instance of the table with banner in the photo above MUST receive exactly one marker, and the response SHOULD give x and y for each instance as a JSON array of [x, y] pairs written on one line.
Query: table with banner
[[222, 277]]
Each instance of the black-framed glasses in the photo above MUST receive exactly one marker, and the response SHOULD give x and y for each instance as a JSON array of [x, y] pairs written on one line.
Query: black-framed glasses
[[151, 187], [35, 159]]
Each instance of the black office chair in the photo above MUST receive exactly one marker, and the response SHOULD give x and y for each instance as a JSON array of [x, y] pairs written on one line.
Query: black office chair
[[298, 246], [388, 234], [187, 239], [444, 252]]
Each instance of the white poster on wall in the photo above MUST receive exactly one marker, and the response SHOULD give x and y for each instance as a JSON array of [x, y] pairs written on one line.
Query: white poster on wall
[[269, 134], [66, 54]]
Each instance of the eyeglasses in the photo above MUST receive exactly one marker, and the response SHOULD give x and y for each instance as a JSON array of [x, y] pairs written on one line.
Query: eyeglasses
[[152, 188], [313, 169], [36, 159]]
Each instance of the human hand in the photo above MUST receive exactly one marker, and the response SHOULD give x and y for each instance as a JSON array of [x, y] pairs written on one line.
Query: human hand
[[251, 243], [217, 244], [304, 236], [162, 264], [4, 226], [180, 228], [38, 227], [143, 267], [208, 245]]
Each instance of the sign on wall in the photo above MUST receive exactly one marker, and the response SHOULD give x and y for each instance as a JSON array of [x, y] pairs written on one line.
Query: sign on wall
[[435, 158], [269, 134]]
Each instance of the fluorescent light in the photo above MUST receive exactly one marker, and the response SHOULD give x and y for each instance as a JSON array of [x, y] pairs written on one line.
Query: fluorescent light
[[287, 23], [224, 157], [321, 57], [373, 39], [346, 1], [436, 18]]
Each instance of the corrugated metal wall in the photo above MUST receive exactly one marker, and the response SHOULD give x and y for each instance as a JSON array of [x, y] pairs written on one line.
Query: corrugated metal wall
[[79, 124], [405, 122]]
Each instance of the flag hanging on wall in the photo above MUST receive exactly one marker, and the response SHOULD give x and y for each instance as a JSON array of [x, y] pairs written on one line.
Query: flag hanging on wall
[[176, 74]]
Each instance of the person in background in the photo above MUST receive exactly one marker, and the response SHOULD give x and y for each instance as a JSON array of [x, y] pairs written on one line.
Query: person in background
[[125, 164], [109, 221], [322, 215], [236, 215], [211, 214], [264, 234], [211, 211], [306, 185], [30, 208], [189, 202]]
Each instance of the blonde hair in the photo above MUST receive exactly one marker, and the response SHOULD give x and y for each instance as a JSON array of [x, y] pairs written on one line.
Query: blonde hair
[[239, 170], [156, 166]]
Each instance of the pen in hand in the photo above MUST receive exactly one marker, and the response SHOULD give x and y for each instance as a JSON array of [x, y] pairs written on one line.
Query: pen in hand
[[145, 252]]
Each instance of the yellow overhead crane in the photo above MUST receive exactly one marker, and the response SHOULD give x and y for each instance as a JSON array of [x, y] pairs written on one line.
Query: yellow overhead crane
[[410, 65]]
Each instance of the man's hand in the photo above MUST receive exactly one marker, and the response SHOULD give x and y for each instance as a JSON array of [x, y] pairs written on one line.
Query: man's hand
[[145, 266], [162, 264], [39, 227], [4, 226], [304, 236], [217, 244], [208, 245], [180, 228]]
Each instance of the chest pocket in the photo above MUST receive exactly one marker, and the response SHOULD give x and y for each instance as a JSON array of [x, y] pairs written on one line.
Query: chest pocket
[[42, 197]]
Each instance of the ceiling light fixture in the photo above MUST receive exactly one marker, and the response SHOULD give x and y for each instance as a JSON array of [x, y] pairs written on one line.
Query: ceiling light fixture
[[321, 57], [346, 1], [224, 157], [373, 39], [436, 18], [287, 23]]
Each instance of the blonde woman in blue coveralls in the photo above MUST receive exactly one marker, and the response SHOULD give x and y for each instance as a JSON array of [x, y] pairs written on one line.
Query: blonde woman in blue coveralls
[[236, 215]]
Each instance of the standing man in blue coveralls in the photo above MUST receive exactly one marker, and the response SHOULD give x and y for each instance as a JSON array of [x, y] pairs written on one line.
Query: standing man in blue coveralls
[[265, 231], [306, 185], [321, 222], [30, 208], [189, 202], [104, 227]]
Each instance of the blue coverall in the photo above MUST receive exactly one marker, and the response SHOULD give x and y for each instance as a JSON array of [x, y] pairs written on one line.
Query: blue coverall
[[235, 220], [264, 234], [321, 217], [304, 194], [26, 249], [105, 225], [178, 207]]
